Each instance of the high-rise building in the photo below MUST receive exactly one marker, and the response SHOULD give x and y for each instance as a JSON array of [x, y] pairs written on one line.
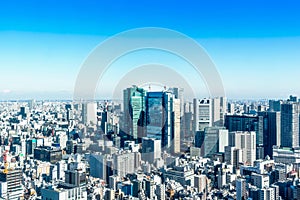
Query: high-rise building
[[160, 191], [233, 156], [266, 193], [241, 189], [150, 188], [290, 124], [202, 114], [123, 164], [48, 154], [13, 179], [219, 109], [89, 113], [163, 119], [231, 109], [286, 155], [214, 140], [24, 111], [102, 170], [260, 180], [176, 126], [179, 94], [134, 112], [246, 123], [271, 131], [201, 184], [245, 141], [275, 106], [293, 98], [187, 122], [151, 149]]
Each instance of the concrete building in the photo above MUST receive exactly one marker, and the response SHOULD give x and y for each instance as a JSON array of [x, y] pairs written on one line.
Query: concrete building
[[245, 141], [213, 141], [151, 149], [89, 113], [202, 114], [12, 183], [123, 164], [241, 189]]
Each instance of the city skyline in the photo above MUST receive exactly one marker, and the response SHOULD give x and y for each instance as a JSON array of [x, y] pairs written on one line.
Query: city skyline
[[255, 48], [149, 100]]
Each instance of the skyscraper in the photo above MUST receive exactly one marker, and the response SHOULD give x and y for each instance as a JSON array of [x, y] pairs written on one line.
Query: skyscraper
[[13, 178], [134, 112], [245, 141], [275, 106], [241, 189], [219, 109], [123, 164], [248, 123], [271, 131], [89, 113], [179, 94], [101, 170], [176, 126], [202, 114], [151, 149], [163, 119], [290, 124], [214, 140]]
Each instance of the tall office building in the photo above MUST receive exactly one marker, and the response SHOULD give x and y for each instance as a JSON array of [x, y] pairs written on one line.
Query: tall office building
[[13, 179], [101, 171], [180, 118], [260, 180], [187, 121], [163, 119], [275, 106], [176, 126], [160, 191], [233, 156], [134, 112], [248, 123], [245, 141], [290, 124], [241, 189], [123, 164], [200, 183], [271, 131], [214, 140], [151, 149], [219, 109], [202, 114], [179, 94], [231, 109], [267, 193], [293, 98], [89, 113]]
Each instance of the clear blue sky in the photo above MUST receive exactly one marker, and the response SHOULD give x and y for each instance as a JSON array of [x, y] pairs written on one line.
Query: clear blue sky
[[254, 44]]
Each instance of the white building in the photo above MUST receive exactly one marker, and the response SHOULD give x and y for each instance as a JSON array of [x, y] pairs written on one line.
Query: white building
[[245, 141]]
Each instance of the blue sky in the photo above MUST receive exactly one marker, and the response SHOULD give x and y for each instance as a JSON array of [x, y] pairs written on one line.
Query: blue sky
[[254, 44]]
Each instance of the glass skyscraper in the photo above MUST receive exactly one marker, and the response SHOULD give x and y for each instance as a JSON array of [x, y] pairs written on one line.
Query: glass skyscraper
[[134, 112], [163, 119], [290, 125]]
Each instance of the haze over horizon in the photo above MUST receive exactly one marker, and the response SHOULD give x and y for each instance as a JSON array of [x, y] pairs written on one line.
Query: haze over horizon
[[255, 45]]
